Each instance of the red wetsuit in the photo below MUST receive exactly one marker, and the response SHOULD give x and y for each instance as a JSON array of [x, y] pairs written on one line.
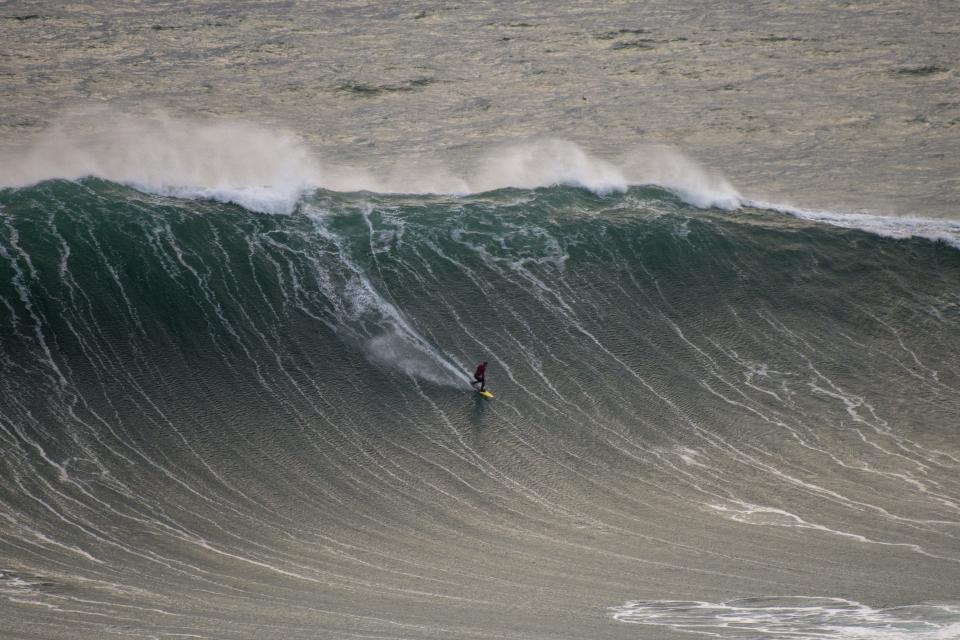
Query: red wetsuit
[[479, 375]]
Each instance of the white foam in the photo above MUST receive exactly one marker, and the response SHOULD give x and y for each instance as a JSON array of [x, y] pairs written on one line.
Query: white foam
[[398, 351], [899, 227], [797, 618]]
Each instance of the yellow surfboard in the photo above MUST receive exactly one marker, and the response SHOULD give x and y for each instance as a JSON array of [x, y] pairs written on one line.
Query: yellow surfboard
[[485, 394]]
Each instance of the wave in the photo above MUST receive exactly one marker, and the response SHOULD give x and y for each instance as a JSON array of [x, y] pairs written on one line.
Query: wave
[[219, 423]]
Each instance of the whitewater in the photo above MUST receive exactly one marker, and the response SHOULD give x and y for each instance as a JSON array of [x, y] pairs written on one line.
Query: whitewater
[[250, 256]]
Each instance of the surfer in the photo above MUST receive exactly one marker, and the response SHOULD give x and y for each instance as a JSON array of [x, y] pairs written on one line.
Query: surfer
[[480, 375]]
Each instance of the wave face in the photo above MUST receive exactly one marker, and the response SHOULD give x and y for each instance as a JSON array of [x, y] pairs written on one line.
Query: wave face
[[223, 424]]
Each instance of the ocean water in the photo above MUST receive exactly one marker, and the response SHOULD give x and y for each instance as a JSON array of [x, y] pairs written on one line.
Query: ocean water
[[250, 254]]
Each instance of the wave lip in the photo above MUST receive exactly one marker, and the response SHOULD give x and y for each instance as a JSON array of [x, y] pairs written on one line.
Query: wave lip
[[666, 167], [270, 171], [546, 163]]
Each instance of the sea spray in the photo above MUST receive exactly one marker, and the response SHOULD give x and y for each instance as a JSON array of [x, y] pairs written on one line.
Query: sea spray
[[261, 169], [269, 170], [668, 168], [543, 163]]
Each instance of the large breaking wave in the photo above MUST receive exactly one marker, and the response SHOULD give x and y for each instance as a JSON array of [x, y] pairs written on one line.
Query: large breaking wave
[[219, 423]]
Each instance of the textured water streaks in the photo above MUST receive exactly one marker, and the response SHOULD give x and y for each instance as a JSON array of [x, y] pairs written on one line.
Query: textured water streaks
[[791, 617], [267, 417]]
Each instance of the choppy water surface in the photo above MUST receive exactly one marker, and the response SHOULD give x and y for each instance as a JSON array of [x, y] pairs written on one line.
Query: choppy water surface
[[836, 105]]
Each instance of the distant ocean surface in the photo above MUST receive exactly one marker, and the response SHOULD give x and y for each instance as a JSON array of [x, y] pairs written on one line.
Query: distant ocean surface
[[251, 253]]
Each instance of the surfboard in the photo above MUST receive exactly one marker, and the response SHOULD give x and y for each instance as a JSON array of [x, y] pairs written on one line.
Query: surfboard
[[485, 394]]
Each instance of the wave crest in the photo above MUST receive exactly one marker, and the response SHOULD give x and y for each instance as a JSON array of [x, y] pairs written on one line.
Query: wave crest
[[269, 170]]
